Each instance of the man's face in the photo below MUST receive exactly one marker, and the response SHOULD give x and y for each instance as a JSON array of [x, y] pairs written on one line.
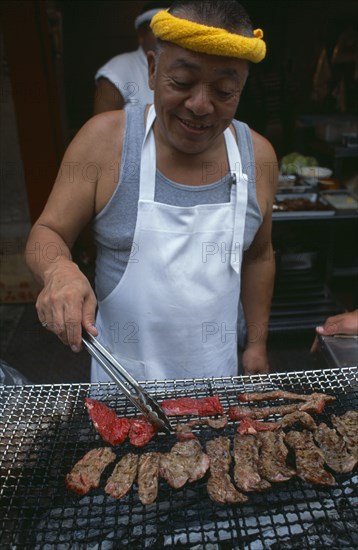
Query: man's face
[[196, 96]]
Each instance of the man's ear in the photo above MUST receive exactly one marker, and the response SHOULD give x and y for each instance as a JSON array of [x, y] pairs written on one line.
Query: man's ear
[[151, 69]]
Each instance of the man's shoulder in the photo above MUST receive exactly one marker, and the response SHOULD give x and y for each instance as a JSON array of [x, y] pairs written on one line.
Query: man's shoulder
[[263, 149]]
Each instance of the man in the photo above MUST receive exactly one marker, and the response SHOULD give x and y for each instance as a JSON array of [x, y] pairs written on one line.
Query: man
[[124, 78], [181, 197]]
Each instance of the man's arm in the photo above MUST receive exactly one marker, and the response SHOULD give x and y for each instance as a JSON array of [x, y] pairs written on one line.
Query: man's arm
[[84, 183], [107, 97], [258, 270]]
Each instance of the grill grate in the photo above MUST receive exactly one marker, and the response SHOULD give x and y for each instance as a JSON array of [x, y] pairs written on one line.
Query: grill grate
[[44, 430]]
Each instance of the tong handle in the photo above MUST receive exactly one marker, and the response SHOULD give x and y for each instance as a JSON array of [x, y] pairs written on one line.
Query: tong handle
[[142, 400]]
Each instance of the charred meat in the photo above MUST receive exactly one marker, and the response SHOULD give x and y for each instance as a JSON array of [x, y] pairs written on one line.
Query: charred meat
[[334, 449], [309, 458], [273, 453], [246, 456], [148, 473], [86, 473], [347, 426], [123, 476], [185, 462], [219, 486]]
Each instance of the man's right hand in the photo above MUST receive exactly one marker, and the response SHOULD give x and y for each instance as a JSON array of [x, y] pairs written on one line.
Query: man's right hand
[[67, 304]]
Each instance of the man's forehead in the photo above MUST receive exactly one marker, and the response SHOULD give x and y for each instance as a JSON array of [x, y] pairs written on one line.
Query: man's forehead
[[180, 58]]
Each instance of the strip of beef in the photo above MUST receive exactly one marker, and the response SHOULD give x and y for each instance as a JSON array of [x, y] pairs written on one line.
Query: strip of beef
[[184, 431], [148, 473], [202, 406], [123, 476], [300, 417], [273, 453], [141, 431], [86, 473], [347, 426], [281, 394], [246, 455], [220, 488], [186, 461], [309, 458], [250, 426], [241, 411], [111, 428], [334, 449]]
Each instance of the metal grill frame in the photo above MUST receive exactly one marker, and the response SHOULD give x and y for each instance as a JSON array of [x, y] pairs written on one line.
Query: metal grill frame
[[45, 429]]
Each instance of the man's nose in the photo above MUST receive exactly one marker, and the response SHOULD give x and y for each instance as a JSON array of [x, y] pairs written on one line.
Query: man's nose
[[199, 100]]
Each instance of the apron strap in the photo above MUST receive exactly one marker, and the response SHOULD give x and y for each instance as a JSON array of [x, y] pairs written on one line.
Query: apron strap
[[148, 163], [239, 194]]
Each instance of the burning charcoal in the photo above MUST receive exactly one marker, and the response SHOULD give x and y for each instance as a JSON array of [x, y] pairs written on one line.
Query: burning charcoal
[[347, 426], [86, 473], [220, 488], [246, 455], [334, 449], [273, 454], [148, 473], [185, 462], [309, 458], [123, 476]]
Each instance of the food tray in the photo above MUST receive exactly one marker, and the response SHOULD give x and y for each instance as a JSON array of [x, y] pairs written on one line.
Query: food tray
[[312, 198], [341, 200]]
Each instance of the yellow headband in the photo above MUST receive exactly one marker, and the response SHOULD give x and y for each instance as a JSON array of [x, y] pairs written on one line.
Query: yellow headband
[[210, 40]]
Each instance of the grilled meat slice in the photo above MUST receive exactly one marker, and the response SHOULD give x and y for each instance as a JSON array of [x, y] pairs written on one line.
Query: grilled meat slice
[[272, 461], [183, 431], [309, 458], [298, 417], [220, 488], [334, 449], [347, 426], [186, 461], [202, 406], [246, 455], [86, 473], [280, 394], [148, 473], [315, 405], [250, 426], [123, 476]]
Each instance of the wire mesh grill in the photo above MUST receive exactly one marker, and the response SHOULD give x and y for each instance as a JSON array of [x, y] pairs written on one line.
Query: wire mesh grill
[[45, 430]]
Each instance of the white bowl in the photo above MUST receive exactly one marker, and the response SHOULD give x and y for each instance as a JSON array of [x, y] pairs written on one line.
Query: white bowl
[[312, 174]]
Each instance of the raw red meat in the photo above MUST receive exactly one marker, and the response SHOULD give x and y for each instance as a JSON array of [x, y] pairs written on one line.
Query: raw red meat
[[203, 406], [141, 431], [111, 428]]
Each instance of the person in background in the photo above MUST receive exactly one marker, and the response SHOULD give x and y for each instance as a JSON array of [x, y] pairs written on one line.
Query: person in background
[[344, 323], [180, 197], [124, 78]]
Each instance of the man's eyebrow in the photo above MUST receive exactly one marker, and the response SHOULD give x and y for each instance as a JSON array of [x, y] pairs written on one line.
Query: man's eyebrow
[[181, 63]]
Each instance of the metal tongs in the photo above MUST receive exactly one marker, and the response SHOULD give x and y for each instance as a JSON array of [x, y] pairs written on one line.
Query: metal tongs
[[135, 393]]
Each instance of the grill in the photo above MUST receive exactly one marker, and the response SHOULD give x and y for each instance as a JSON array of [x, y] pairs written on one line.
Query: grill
[[46, 429]]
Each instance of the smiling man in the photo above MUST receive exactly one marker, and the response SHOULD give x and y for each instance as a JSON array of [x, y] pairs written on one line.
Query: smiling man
[[180, 197]]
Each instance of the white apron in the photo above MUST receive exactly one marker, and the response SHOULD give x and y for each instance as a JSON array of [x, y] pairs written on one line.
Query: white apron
[[173, 315]]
